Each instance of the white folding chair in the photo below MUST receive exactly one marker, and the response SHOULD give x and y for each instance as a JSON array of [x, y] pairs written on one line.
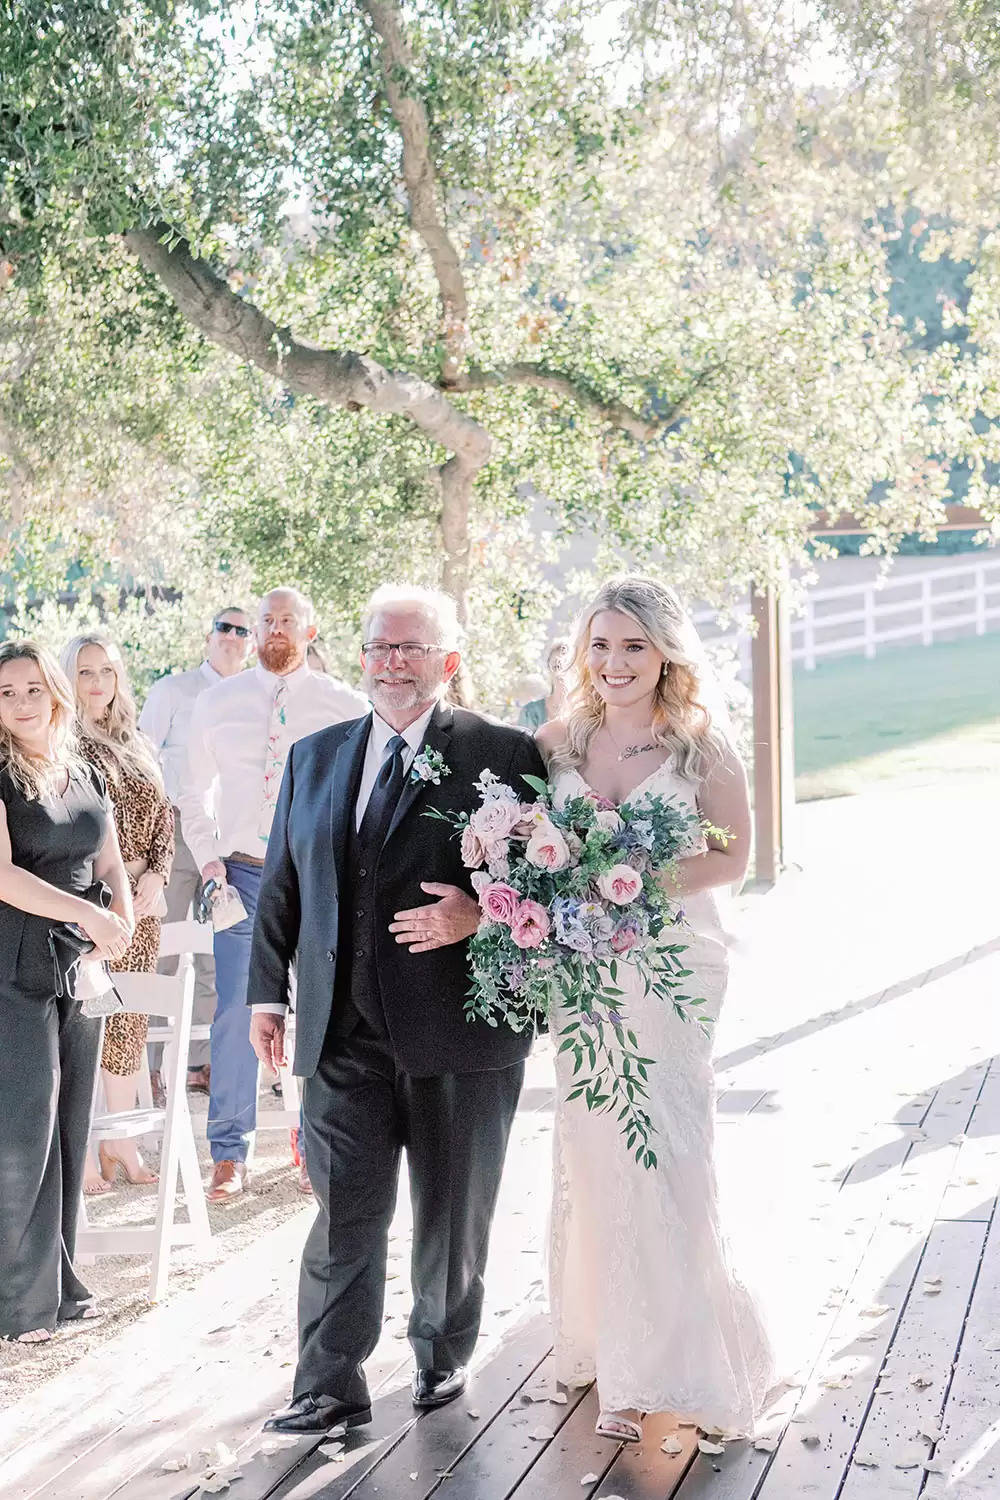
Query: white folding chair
[[196, 937], [169, 997]]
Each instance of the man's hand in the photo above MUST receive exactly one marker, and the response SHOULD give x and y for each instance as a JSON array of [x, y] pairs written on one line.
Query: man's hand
[[214, 870], [454, 917], [267, 1038]]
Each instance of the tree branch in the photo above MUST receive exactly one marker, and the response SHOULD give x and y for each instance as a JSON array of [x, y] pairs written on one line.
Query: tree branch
[[420, 178], [335, 377], [615, 413]]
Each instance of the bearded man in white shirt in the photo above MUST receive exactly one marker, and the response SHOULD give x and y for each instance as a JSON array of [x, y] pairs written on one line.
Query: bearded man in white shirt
[[166, 720], [241, 732]]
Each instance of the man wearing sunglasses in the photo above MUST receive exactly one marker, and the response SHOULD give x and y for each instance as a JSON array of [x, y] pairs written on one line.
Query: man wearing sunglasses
[[166, 719], [241, 732]]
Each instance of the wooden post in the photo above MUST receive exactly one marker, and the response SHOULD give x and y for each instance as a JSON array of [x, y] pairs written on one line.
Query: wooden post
[[770, 659], [773, 768]]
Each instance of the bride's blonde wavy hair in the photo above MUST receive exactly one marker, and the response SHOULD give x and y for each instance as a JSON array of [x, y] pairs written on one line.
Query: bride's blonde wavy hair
[[119, 731], [680, 721]]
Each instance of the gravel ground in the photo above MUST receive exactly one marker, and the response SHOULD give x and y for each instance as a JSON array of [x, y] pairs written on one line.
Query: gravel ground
[[120, 1282]]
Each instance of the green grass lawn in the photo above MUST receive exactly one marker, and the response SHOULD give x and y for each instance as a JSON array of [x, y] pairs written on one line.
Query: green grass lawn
[[912, 714]]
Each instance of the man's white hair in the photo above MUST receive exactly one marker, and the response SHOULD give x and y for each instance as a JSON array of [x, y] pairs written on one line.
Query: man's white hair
[[439, 610], [303, 603]]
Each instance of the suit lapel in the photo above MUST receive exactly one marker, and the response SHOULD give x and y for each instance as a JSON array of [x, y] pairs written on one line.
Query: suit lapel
[[438, 734], [346, 778]]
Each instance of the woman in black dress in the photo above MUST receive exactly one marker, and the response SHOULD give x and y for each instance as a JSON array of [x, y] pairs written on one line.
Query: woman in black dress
[[57, 837]]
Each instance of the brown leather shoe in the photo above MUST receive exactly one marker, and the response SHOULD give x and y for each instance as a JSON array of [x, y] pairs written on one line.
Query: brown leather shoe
[[229, 1179], [199, 1080]]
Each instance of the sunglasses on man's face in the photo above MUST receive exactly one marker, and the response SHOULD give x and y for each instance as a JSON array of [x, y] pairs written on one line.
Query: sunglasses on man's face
[[225, 626]]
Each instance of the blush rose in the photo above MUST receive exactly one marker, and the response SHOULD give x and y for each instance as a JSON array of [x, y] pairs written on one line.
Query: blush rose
[[621, 884], [625, 936], [473, 848], [531, 925], [499, 902], [547, 849], [495, 820]]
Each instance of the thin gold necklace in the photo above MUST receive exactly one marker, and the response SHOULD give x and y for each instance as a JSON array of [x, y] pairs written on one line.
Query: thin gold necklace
[[628, 751]]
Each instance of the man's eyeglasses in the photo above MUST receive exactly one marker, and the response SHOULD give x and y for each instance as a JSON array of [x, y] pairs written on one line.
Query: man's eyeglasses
[[378, 652], [225, 626]]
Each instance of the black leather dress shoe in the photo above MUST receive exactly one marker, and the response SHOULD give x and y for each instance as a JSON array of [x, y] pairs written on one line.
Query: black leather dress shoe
[[437, 1387], [317, 1414]]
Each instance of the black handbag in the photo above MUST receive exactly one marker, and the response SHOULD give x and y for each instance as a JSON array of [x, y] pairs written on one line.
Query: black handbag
[[68, 944]]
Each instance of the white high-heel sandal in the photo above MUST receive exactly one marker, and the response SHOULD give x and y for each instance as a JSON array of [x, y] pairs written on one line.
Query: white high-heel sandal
[[619, 1428]]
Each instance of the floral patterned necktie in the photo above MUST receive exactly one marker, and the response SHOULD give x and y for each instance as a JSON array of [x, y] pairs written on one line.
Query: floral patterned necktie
[[274, 762]]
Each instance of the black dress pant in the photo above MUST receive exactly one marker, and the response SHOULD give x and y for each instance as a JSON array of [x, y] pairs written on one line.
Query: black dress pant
[[360, 1112], [48, 1063]]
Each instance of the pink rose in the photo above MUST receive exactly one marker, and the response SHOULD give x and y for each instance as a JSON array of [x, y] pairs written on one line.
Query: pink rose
[[499, 903], [547, 849], [473, 850], [495, 819], [625, 937], [621, 884], [605, 804], [531, 925]]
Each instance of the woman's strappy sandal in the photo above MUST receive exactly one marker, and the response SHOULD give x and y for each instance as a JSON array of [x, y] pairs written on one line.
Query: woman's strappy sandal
[[619, 1428], [32, 1339]]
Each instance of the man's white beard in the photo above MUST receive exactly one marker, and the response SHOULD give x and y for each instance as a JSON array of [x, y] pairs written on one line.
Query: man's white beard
[[393, 698]]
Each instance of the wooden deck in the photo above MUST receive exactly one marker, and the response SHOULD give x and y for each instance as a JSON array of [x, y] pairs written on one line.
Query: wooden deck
[[859, 1146]]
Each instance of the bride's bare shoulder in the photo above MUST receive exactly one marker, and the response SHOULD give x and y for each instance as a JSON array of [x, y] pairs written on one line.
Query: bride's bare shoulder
[[550, 736]]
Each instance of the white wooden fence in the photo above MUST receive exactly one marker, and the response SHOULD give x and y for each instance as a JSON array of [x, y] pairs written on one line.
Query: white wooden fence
[[921, 607], [861, 617]]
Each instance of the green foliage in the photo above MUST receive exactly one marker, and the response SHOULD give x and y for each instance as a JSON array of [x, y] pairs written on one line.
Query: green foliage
[[156, 635], [715, 241]]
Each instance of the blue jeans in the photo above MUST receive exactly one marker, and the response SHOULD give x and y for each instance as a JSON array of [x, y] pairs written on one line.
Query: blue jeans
[[232, 1104]]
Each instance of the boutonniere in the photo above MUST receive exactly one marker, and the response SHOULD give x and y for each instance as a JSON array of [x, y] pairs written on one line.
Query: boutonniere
[[429, 765]]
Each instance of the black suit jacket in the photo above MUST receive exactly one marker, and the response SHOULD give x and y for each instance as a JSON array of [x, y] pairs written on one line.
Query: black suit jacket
[[297, 913]]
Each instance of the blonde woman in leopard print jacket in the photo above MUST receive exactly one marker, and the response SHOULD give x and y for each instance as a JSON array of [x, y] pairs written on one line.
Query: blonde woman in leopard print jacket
[[111, 740]]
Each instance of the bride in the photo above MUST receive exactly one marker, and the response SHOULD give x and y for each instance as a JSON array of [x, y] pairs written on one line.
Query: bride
[[642, 1296]]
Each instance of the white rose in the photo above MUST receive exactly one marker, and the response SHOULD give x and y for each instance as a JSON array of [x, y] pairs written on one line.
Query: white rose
[[608, 820]]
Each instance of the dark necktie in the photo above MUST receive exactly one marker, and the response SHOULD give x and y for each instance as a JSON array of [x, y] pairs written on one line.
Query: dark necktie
[[385, 795]]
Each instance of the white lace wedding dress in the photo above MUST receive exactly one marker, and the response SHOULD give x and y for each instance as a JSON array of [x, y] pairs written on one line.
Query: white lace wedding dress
[[641, 1293]]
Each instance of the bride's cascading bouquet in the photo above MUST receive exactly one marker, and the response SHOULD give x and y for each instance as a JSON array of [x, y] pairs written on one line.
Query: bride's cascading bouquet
[[567, 893]]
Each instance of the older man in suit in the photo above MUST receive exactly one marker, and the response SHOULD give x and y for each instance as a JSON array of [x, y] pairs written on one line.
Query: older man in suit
[[388, 1058]]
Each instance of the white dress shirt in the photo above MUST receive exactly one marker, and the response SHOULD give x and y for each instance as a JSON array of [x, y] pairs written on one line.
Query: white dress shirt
[[375, 753], [227, 752], [166, 719]]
